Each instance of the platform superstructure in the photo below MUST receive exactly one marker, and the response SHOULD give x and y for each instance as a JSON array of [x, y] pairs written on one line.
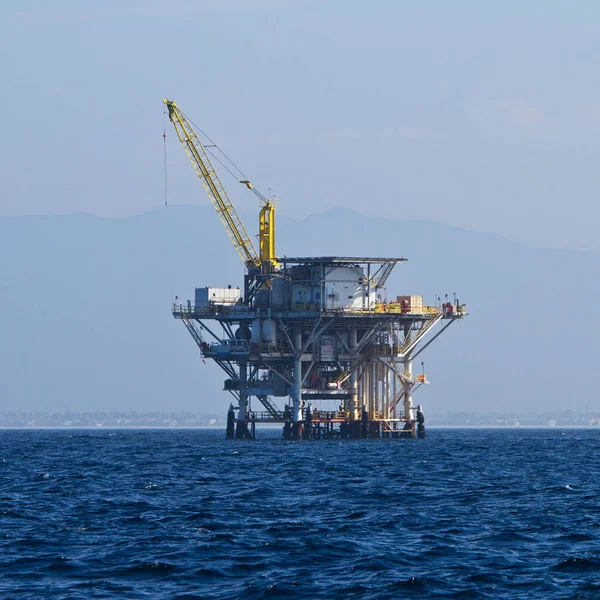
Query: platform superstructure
[[312, 343]]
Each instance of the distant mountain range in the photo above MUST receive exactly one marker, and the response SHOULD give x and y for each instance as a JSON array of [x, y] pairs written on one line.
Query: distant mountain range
[[85, 321]]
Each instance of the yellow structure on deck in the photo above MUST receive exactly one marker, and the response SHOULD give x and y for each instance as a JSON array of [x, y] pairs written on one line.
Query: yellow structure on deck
[[266, 234], [266, 228], [242, 242]]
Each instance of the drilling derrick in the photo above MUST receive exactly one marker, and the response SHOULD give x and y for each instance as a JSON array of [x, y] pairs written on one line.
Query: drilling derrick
[[312, 341]]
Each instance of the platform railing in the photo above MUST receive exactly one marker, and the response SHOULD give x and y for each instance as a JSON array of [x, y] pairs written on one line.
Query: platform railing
[[388, 424], [327, 415], [179, 309], [266, 417]]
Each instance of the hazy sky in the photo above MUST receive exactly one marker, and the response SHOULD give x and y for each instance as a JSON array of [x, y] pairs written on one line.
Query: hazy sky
[[479, 114]]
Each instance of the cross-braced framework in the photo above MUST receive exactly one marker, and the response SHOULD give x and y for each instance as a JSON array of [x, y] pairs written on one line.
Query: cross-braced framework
[[318, 335]]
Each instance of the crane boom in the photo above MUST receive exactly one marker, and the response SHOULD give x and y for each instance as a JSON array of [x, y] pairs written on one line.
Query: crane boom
[[212, 184]]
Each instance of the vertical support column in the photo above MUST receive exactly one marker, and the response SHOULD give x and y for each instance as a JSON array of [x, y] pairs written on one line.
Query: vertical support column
[[241, 430], [230, 431], [297, 399], [359, 393], [373, 390], [353, 343], [383, 392], [364, 425], [365, 389], [408, 405], [391, 377], [394, 394], [388, 391], [308, 427], [377, 394]]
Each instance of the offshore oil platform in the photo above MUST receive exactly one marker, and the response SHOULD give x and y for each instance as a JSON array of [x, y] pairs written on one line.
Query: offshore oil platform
[[316, 334]]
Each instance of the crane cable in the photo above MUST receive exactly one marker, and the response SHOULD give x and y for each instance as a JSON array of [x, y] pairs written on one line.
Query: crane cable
[[241, 176], [214, 145], [165, 151]]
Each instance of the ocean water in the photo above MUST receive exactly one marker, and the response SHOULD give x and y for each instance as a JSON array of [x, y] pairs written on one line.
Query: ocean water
[[187, 514]]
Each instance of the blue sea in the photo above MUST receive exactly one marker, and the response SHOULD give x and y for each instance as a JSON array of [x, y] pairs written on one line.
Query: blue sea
[[187, 514]]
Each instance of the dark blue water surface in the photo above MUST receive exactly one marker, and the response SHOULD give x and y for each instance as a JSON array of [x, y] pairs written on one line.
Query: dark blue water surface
[[187, 514]]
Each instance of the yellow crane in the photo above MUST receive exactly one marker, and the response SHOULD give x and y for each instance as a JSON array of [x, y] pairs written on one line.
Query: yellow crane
[[242, 242]]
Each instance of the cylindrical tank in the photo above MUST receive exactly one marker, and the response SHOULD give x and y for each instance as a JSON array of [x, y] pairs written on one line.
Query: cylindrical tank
[[256, 330], [243, 333], [269, 331]]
